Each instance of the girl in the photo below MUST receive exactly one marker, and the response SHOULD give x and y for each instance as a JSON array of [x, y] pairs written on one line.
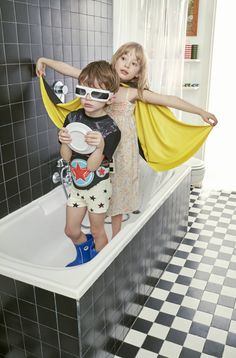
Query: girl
[[131, 66]]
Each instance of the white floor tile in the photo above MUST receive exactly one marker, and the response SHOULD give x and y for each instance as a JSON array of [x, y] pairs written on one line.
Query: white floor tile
[[170, 308], [194, 342], [217, 335], [159, 293], [203, 317], [229, 352], [159, 331], [182, 324], [143, 353], [135, 337], [210, 297], [170, 350], [148, 314], [223, 311], [232, 327]]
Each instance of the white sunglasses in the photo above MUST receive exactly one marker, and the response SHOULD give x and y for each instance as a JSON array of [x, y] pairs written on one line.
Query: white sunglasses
[[96, 94]]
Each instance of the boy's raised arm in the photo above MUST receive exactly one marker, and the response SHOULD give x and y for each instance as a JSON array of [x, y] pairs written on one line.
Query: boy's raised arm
[[58, 66]]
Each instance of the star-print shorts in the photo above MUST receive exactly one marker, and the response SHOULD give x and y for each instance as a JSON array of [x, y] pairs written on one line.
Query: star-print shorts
[[96, 199]]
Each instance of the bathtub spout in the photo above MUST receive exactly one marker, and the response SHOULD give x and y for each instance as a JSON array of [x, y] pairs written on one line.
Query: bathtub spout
[[65, 177]]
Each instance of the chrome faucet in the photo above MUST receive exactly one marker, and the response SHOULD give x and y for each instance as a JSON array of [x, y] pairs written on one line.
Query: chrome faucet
[[63, 175]]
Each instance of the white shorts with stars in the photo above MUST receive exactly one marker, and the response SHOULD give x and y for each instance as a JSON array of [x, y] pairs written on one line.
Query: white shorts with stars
[[96, 199]]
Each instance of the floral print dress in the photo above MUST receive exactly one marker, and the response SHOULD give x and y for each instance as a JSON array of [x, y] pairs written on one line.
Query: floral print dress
[[125, 179]]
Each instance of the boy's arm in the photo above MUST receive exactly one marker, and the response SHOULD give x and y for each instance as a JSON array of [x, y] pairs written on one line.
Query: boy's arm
[[96, 158], [58, 66], [173, 102], [65, 152], [65, 138]]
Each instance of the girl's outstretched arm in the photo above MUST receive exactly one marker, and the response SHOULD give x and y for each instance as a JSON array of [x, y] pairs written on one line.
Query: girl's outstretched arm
[[58, 66], [177, 103]]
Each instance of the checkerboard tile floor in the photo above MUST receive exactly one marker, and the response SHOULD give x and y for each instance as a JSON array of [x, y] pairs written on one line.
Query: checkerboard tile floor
[[191, 312]]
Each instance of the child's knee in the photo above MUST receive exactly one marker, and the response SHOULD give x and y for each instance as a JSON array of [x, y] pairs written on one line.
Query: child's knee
[[71, 232]]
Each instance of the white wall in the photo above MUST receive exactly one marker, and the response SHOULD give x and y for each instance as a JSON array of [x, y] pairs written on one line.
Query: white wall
[[220, 156], [199, 72]]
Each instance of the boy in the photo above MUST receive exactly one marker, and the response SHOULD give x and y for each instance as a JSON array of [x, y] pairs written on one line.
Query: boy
[[91, 185]]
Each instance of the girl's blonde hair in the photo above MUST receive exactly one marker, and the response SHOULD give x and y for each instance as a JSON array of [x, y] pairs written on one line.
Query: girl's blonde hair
[[140, 82]]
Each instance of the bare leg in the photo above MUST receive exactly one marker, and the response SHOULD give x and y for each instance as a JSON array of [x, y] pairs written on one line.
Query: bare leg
[[116, 224], [74, 218], [98, 230]]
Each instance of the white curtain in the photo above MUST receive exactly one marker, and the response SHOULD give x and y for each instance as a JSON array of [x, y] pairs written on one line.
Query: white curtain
[[160, 26]]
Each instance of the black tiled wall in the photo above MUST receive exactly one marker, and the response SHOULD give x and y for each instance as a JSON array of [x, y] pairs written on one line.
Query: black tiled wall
[[41, 324], [74, 31]]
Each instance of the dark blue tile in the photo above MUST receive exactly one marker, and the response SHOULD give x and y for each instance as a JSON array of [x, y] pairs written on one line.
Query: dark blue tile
[[49, 336], [199, 329], [231, 339], [226, 301], [68, 325], [194, 292], [165, 319], [175, 298], [213, 287], [173, 268], [12, 320], [154, 303], [45, 298], [220, 322], [191, 264], [27, 310], [185, 312], [152, 344], [69, 344], [206, 306], [30, 328], [142, 325], [7, 285], [165, 285], [176, 336], [187, 353], [127, 350], [183, 280], [9, 303], [213, 348], [66, 306]]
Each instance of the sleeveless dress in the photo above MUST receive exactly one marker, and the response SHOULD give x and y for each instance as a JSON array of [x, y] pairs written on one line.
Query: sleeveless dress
[[125, 179]]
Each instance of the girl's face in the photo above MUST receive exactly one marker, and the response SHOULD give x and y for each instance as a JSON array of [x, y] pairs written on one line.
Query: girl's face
[[127, 66]]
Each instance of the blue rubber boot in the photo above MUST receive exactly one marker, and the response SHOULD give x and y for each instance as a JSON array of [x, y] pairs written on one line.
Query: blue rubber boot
[[83, 252]]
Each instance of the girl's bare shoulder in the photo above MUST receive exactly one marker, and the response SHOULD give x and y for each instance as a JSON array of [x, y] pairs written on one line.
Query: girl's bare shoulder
[[126, 94]]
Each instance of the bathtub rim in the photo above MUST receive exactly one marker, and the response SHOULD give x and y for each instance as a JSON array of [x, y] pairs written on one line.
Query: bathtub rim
[[65, 281]]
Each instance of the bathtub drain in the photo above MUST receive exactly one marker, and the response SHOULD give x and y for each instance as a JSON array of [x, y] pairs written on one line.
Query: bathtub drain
[[125, 218]]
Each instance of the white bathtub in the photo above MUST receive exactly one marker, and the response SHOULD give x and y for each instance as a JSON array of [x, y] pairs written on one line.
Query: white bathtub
[[35, 250]]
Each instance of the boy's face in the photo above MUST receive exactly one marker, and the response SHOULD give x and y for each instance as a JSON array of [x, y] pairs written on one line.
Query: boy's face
[[127, 66], [92, 99]]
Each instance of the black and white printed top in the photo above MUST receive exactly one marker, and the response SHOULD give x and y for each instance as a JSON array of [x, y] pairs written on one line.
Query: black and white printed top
[[81, 177]]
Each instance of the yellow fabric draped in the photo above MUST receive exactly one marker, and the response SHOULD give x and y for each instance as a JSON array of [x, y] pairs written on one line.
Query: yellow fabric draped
[[166, 142], [57, 112]]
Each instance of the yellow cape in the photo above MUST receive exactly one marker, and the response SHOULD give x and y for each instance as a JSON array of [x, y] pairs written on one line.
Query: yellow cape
[[165, 141]]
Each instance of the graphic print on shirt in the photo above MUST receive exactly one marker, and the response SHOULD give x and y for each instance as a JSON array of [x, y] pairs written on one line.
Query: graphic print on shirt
[[81, 176]]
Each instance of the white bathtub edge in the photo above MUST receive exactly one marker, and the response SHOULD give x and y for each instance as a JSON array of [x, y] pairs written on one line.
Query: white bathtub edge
[[54, 280]]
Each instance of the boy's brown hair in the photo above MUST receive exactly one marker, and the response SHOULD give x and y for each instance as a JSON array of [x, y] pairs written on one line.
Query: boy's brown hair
[[102, 72]]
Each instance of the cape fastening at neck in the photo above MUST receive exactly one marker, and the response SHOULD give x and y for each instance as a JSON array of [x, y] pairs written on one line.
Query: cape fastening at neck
[[165, 141]]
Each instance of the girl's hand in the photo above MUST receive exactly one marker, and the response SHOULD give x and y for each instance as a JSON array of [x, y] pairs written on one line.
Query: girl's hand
[[64, 136], [40, 67], [209, 118], [95, 138]]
